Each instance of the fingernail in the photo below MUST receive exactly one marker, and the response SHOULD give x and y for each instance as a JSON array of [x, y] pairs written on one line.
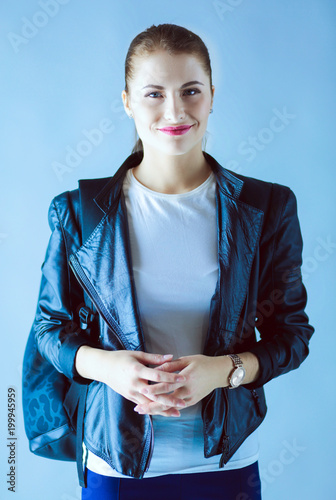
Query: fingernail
[[180, 379], [167, 356], [181, 405]]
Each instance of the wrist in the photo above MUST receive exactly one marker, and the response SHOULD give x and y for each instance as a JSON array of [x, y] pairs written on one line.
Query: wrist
[[223, 371], [226, 367], [89, 363], [251, 365]]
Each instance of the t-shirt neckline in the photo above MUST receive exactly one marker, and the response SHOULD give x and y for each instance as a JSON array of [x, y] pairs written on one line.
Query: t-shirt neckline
[[132, 179]]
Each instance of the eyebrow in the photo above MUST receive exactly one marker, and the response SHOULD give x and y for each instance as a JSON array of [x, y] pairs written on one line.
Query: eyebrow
[[194, 82]]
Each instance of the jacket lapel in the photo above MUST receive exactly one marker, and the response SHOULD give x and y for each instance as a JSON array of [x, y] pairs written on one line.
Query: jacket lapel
[[238, 233], [105, 259], [239, 228]]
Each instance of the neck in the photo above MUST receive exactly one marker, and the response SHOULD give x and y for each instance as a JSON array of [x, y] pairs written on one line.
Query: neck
[[172, 174]]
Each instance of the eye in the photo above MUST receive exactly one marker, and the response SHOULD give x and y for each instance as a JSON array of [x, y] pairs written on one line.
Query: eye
[[154, 95], [191, 92]]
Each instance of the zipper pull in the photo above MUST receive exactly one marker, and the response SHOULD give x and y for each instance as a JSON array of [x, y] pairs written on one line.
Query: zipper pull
[[225, 451], [257, 402]]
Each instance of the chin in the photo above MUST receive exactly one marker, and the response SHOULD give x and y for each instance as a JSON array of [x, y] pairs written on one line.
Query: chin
[[176, 151], [172, 146]]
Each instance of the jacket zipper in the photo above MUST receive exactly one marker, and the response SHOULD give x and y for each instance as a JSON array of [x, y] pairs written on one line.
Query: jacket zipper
[[87, 286], [151, 445], [257, 402], [226, 443], [225, 453]]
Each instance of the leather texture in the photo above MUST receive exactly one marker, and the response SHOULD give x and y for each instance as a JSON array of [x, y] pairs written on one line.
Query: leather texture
[[259, 289]]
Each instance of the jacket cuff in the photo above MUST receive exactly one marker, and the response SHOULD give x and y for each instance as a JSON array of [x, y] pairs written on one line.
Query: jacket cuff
[[67, 358], [266, 365]]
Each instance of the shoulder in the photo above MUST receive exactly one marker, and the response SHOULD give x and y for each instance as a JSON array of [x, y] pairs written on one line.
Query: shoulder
[[277, 201], [263, 194], [65, 213], [65, 205], [254, 192]]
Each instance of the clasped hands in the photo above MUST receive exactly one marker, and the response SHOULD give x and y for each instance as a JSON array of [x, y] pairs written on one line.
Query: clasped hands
[[197, 375], [157, 384]]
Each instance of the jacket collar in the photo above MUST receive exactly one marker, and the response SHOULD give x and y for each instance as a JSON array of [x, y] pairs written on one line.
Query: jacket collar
[[109, 196]]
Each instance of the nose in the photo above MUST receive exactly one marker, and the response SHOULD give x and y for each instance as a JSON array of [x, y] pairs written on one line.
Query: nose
[[174, 109]]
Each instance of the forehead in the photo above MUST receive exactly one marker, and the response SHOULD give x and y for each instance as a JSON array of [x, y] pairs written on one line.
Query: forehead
[[162, 68]]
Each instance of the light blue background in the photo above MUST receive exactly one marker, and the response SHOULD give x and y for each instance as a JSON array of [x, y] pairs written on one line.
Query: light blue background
[[67, 77]]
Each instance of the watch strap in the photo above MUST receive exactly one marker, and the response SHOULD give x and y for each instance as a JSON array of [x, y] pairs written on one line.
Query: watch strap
[[236, 360]]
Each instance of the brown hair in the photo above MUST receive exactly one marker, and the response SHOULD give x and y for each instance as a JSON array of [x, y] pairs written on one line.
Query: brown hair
[[172, 38]]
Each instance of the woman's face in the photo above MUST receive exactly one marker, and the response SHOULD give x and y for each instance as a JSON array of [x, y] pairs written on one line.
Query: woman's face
[[170, 100]]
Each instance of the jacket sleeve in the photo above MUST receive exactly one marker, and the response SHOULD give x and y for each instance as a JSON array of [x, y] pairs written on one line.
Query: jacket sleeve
[[57, 333], [283, 325]]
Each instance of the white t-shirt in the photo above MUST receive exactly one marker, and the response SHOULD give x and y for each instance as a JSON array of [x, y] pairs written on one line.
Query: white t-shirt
[[174, 253]]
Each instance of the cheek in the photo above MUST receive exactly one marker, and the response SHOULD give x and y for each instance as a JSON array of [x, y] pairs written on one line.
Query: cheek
[[135, 97], [145, 120], [146, 116], [148, 113], [205, 106], [201, 108], [202, 114]]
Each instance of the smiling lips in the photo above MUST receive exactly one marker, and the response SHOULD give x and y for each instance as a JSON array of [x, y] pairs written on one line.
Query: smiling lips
[[180, 130]]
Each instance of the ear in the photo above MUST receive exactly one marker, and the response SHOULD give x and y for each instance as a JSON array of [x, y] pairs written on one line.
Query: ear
[[125, 100], [212, 94]]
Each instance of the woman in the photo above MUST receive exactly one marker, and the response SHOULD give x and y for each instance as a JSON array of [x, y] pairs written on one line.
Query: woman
[[186, 261]]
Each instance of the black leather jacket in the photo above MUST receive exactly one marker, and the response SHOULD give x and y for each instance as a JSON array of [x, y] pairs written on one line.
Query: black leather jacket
[[259, 286]]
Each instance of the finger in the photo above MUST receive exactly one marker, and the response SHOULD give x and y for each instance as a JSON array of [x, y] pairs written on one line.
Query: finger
[[167, 400], [154, 375], [172, 412], [139, 399], [152, 359], [180, 398], [172, 366], [157, 409], [160, 388]]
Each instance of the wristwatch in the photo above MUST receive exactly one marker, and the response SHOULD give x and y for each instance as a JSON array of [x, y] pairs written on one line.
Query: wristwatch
[[237, 376]]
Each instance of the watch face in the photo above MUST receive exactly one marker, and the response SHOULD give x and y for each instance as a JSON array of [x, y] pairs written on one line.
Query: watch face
[[237, 376]]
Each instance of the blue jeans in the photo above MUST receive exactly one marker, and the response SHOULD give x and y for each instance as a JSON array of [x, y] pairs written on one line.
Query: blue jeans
[[238, 484]]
